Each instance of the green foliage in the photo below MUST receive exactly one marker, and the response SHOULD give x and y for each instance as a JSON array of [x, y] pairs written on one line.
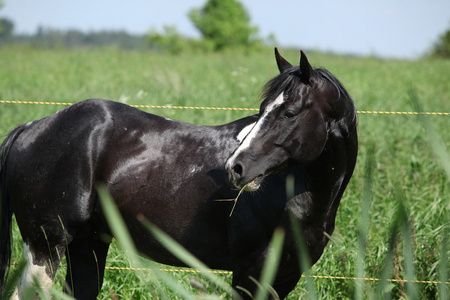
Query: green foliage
[[169, 40], [442, 47], [225, 23], [1, 6], [6, 30], [172, 41]]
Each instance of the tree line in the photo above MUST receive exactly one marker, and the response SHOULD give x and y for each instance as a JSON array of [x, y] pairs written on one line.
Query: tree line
[[223, 24], [54, 38]]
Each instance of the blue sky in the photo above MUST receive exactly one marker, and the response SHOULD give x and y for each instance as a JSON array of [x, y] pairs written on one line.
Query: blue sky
[[387, 28]]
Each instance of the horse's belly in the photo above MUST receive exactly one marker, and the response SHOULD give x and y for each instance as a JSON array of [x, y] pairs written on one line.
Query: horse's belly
[[206, 242], [190, 215]]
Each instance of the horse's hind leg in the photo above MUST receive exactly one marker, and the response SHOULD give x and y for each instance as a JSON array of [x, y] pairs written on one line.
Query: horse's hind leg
[[86, 260]]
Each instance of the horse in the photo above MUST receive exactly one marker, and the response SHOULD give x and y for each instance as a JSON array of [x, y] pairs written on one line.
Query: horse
[[171, 173]]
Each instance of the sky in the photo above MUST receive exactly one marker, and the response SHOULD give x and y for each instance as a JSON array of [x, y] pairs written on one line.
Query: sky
[[404, 29]]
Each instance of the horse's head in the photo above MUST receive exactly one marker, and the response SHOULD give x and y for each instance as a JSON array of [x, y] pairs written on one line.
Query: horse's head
[[302, 106]]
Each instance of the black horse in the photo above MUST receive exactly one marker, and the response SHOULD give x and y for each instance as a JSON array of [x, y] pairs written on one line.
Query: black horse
[[171, 173]]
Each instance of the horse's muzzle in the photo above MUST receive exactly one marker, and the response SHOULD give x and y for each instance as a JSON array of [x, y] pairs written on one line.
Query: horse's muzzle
[[237, 179], [234, 175]]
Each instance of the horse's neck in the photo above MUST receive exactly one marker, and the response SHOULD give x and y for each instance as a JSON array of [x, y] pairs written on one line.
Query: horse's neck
[[324, 182]]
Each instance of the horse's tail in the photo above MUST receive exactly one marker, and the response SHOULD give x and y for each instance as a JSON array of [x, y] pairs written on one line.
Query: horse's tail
[[5, 207]]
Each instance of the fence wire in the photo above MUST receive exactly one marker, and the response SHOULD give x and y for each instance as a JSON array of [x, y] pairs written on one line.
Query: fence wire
[[222, 108]]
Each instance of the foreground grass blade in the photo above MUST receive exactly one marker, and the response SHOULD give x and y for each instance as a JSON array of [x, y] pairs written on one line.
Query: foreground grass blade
[[115, 221], [60, 295], [386, 267], [123, 237], [271, 265], [304, 259], [443, 267], [13, 278], [411, 287], [438, 147]]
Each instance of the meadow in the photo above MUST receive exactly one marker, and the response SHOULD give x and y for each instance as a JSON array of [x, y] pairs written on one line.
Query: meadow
[[407, 176]]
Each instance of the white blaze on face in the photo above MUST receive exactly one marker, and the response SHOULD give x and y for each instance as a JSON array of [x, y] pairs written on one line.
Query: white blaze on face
[[244, 132], [250, 131]]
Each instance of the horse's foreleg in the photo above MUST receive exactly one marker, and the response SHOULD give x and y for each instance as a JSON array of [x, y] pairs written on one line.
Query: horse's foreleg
[[38, 273], [86, 260]]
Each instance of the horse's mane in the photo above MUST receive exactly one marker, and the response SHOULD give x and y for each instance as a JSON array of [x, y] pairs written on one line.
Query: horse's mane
[[327, 75], [289, 81]]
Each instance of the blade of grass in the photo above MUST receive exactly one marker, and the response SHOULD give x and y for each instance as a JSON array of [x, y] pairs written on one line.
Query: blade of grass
[[443, 267], [411, 288], [60, 295], [37, 289], [386, 268], [304, 259], [237, 197], [31, 291], [13, 278], [436, 143], [271, 265], [115, 221]]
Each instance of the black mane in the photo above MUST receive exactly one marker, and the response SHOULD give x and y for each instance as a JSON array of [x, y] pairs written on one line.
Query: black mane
[[289, 81]]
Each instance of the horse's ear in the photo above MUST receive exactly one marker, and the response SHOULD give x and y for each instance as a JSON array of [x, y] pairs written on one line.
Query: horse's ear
[[307, 72], [281, 62]]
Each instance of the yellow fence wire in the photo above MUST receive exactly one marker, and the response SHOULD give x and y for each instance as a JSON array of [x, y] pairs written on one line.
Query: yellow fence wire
[[222, 108]]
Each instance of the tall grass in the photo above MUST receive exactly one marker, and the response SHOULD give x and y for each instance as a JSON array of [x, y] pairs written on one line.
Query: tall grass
[[392, 224]]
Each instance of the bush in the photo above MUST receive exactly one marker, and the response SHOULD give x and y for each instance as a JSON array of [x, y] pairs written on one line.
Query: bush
[[225, 24], [442, 47], [174, 42]]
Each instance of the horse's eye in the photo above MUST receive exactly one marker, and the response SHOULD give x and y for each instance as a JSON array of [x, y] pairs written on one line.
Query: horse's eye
[[289, 114]]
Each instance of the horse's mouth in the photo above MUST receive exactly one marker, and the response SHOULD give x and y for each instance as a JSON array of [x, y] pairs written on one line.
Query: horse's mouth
[[237, 182], [254, 184]]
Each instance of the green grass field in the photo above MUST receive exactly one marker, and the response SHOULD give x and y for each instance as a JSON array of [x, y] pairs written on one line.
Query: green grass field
[[406, 171]]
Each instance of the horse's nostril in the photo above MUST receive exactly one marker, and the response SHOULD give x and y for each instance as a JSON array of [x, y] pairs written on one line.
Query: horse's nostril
[[237, 169]]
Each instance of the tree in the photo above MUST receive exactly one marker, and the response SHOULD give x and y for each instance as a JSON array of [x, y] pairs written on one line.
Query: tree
[[170, 40], [224, 23], [442, 47], [6, 29], [1, 6]]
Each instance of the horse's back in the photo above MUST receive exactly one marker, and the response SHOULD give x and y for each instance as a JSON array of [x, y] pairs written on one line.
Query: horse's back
[[51, 167]]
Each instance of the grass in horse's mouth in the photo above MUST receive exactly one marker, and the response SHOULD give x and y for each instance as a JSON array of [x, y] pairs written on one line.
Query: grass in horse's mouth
[[254, 184], [249, 187], [237, 197]]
